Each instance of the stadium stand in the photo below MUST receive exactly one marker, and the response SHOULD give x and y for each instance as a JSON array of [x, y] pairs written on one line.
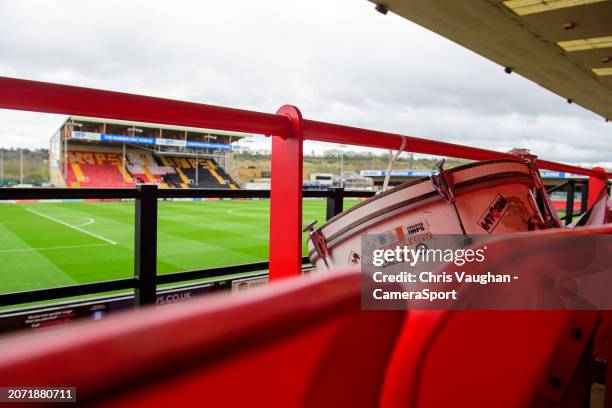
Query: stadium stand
[[98, 152], [210, 174], [105, 169], [223, 174], [97, 169], [144, 169]]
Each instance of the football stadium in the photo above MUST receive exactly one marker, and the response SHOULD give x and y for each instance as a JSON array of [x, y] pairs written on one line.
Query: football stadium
[[91, 240], [158, 264]]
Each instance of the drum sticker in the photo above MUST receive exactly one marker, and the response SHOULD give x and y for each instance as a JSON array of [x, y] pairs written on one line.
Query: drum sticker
[[416, 233], [492, 215], [388, 238], [354, 258], [415, 228]]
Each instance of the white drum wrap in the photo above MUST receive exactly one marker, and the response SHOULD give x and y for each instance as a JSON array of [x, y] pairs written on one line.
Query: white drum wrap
[[491, 197]]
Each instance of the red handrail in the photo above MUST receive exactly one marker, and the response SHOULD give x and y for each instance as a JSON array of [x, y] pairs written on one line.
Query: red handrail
[[287, 129], [47, 97], [327, 132]]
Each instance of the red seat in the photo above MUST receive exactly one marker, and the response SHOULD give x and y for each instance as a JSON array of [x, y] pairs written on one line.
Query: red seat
[[471, 358], [305, 342], [299, 343], [490, 358], [99, 169]]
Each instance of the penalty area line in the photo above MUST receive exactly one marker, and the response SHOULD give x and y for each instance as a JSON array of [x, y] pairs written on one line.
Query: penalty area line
[[110, 241], [9, 251]]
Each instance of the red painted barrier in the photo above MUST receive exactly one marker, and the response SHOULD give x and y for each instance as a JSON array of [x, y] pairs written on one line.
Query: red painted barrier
[[55, 98], [286, 155], [597, 184], [46, 97]]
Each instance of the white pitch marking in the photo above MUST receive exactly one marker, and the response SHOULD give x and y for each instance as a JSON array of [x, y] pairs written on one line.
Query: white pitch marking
[[6, 251], [88, 222], [72, 226]]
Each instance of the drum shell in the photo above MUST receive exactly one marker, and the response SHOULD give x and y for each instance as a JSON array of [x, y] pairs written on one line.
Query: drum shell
[[491, 197]]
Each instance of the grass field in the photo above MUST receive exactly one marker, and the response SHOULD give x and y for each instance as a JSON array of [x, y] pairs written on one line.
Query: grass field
[[55, 244]]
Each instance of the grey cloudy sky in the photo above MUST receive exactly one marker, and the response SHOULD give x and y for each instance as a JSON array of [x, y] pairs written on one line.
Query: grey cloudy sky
[[338, 60]]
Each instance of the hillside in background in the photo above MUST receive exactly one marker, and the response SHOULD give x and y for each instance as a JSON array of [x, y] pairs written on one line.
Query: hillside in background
[[329, 162], [36, 163], [35, 166]]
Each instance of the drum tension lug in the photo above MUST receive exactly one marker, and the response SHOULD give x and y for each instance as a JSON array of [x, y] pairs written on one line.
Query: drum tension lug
[[318, 241], [443, 184], [540, 196]]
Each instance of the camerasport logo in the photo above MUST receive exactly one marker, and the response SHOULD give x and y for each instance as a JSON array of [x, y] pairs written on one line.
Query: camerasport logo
[[492, 215]]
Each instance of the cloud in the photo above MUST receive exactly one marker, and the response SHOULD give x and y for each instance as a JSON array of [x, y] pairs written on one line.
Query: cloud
[[339, 61]]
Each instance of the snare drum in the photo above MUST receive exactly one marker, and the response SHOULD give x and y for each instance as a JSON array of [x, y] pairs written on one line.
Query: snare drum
[[491, 197]]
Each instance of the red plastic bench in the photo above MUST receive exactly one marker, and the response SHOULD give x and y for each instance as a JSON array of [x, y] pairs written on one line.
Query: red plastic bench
[[490, 358], [299, 343]]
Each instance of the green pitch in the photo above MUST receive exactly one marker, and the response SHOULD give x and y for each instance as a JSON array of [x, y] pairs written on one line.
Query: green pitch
[[55, 244]]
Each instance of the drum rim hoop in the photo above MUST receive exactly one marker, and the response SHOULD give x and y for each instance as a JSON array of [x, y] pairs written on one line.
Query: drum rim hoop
[[417, 181], [517, 176]]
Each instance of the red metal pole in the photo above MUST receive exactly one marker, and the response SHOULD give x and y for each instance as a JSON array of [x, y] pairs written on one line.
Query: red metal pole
[[332, 133], [596, 184], [286, 198], [21, 94], [37, 96]]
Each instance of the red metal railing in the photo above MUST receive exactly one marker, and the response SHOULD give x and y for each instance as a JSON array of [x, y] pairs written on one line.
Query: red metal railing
[[287, 128]]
